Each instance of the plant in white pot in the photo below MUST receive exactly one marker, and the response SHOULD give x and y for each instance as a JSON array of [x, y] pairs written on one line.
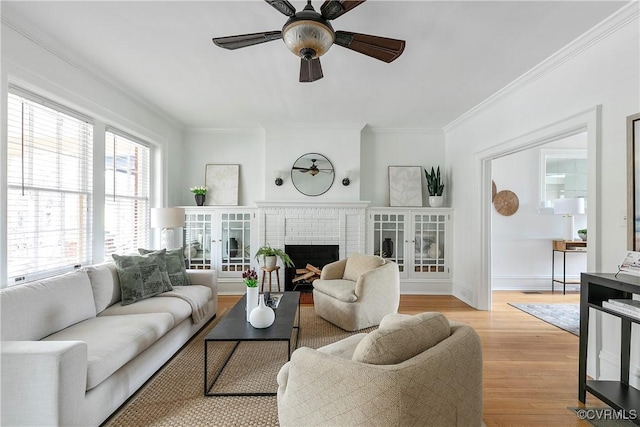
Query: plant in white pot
[[270, 255], [435, 187]]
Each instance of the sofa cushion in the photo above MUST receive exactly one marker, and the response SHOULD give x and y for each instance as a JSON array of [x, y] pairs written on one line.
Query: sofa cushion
[[340, 289], [105, 285], [178, 308], [175, 266], [142, 276], [112, 341], [401, 337], [34, 310], [358, 264]]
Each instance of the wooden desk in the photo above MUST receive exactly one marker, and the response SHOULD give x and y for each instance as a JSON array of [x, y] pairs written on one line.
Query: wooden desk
[[565, 246]]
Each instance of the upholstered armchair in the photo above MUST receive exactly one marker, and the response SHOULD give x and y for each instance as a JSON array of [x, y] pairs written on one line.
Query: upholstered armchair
[[357, 292], [413, 371]]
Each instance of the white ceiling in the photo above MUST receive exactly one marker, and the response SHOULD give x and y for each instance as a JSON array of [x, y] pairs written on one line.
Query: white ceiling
[[457, 54]]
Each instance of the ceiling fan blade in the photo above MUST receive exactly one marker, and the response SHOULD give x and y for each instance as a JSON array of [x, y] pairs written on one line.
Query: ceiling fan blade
[[310, 70], [381, 48], [282, 6], [244, 40], [332, 9]]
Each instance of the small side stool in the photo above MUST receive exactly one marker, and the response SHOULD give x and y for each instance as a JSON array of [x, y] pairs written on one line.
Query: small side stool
[[270, 270]]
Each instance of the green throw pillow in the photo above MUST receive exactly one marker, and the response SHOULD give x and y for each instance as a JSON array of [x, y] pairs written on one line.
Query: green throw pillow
[[175, 266], [142, 276]]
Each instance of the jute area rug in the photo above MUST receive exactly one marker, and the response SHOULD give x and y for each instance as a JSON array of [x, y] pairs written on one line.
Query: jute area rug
[[174, 396], [563, 316]]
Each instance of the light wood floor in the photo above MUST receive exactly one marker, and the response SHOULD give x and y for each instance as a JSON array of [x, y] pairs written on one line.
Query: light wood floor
[[530, 367]]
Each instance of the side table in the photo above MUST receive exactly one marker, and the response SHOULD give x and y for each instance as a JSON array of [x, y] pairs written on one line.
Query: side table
[[565, 246], [266, 270]]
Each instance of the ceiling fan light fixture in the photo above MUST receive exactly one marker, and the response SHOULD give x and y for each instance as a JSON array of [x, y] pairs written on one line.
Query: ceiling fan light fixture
[[304, 36]]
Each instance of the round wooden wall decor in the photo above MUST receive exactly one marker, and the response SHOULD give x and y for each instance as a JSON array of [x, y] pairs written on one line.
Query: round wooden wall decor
[[506, 202]]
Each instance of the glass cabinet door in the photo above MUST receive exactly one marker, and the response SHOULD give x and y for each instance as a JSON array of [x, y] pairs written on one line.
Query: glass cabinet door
[[235, 241], [197, 240], [429, 243], [388, 237]]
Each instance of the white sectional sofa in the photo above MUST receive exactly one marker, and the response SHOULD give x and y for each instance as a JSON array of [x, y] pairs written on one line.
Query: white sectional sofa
[[72, 354]]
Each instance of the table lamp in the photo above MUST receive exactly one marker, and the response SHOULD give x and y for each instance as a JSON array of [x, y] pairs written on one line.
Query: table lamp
[[167, 219], [568, 208]]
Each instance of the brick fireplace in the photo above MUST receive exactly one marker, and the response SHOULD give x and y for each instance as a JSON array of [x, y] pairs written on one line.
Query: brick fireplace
[[313, 232]]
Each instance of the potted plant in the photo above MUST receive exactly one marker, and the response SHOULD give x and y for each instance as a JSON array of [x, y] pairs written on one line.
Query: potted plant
[[199, 193], [270, 255], [250, 278], [582, 233], [435, 187]]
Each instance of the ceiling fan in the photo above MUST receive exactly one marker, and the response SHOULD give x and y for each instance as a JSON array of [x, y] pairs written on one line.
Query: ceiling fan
[[312, 170], [309, 35]]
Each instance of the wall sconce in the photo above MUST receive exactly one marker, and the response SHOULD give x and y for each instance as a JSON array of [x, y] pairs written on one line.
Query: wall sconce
[[278, 176], [346, 180]]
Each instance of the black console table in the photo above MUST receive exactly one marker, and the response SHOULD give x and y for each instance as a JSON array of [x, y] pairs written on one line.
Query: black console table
[[594, 289]]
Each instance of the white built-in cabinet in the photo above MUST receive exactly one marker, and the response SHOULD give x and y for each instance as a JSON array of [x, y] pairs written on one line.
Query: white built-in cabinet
[[218, 238], [417, 239]]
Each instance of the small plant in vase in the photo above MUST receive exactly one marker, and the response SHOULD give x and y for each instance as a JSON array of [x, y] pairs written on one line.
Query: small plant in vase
[[269, 256], [250, 278], [435, 187], [582, 233], [199, 192]]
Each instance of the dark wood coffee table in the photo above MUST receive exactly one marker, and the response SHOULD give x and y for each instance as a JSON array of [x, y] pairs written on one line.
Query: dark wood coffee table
[[234, 327]]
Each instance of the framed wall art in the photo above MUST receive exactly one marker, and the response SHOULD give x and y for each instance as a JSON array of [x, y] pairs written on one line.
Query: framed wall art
[[405, 186], [633, 182], [222, 182]]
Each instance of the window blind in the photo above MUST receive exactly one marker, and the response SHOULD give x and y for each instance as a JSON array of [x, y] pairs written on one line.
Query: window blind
[[49, 194], [127, 188]]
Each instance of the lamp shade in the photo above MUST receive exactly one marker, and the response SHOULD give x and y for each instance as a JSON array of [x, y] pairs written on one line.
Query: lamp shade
[[167, 217], [568, 206]]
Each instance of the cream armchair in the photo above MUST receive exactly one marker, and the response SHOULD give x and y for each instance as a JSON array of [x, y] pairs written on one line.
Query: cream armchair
[[412, 371], [357, 292]]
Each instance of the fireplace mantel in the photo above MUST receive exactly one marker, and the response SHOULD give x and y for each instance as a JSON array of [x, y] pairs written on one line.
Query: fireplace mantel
[[312, 204]]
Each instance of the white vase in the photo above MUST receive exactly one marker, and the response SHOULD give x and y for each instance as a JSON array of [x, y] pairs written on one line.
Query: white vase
[[252, 300], [436, 201], [270, 261], [262, 316]]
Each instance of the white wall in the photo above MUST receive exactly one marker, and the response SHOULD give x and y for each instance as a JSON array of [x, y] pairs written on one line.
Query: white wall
[[28, 64], [367, 153], [521, 243], [605, 73], [223, 146], [382, 148], [602, 69]]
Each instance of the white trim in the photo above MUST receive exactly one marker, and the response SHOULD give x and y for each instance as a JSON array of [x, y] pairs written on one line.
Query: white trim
[[101, 78], [613, 23], [311, 204], [589, 121]]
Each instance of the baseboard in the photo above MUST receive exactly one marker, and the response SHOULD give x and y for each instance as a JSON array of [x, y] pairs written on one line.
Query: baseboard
[[610, 368], [530, 283]]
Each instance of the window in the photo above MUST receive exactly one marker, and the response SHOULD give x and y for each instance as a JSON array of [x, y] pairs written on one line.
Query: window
[[563, 174], [49, 188], [127, 177]]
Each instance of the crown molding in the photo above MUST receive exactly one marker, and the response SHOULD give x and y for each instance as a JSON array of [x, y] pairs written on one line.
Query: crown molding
[[85, 69], [613, 23]]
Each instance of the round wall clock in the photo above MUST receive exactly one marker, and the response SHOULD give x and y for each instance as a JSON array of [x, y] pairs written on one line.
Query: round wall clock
[[506, 202]]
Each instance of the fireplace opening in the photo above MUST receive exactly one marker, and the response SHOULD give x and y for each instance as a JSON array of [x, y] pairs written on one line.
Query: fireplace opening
[[301, 255]]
